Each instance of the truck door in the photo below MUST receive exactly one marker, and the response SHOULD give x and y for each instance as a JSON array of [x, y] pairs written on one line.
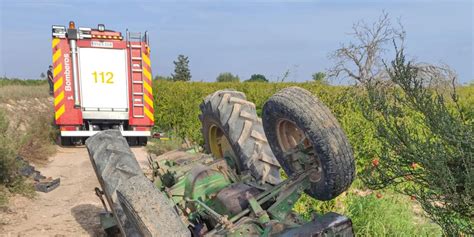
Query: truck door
[[103, 83]]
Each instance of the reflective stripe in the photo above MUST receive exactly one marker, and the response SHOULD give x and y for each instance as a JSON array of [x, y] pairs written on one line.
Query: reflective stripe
[[59, 98], [56, 55], [149, 114], [147, 73], [148, 101], [57, 69], [147, 87], [60, 112], [58, 83], [146, 59], [55, 42]]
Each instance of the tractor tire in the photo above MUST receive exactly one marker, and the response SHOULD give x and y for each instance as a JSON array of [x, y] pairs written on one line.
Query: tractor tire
[[298, 108], [138, 207], [228, 114]]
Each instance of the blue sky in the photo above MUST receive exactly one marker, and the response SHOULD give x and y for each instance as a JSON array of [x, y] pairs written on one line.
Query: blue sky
[[242, 37]]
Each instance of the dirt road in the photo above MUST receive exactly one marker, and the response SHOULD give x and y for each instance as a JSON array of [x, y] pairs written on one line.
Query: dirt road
[[70, 210]]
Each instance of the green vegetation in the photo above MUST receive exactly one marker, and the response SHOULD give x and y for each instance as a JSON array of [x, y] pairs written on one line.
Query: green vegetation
[[26, 129], [5, 81], [257, 78], [389, 215], [10, 181], [227, 77], [181, 70], [427, 146], [180, 116], [319, 77]]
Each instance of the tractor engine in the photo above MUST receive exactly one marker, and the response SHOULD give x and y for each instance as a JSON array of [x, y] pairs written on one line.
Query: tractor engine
[[187, 176]]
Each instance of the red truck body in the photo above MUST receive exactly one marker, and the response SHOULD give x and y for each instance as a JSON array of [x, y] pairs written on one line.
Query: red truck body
[[101, 81]]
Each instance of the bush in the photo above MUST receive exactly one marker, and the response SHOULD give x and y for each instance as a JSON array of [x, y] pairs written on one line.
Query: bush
[[227, 77], [10, 181], [427, 145], [38, 142]]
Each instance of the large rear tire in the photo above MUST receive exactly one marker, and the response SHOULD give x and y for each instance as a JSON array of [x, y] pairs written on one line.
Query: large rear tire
[[294, 119], [139, 208], [230, 126]]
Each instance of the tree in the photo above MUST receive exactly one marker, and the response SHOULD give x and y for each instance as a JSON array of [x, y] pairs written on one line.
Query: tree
[[257, 78], [362, 60], [319, 77], [162, 78], [227, 77], [181, 71], [42, 76], [426, 141]]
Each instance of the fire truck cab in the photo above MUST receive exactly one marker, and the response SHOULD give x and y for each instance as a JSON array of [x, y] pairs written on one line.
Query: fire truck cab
[[102, 80]]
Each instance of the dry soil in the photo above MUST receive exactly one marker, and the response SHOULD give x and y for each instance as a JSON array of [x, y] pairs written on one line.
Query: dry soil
[[70, 210]]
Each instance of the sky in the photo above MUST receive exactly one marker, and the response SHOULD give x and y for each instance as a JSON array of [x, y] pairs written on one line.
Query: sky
[[241, 37]]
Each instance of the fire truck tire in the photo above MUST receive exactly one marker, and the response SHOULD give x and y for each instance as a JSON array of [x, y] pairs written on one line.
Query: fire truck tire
[[142, 141], [300, 112], [65, 141], [227, 116], [138, 207]]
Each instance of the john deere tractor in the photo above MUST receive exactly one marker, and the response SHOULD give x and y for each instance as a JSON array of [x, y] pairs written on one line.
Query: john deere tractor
[[235, 188]]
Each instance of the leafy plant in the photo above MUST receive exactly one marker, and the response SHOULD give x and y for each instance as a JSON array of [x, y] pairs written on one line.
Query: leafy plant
[[427, 147]]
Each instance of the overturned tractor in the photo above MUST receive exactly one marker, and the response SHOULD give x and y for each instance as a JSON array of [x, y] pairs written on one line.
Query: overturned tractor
[[235, 189]]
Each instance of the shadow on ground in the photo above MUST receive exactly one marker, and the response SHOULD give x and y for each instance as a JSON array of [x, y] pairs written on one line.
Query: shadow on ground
[[87, 215]]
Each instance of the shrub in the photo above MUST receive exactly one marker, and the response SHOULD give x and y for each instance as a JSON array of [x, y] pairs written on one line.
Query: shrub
[[427, 145]]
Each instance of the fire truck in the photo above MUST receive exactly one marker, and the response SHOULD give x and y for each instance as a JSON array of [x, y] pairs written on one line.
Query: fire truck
[[102, 80]]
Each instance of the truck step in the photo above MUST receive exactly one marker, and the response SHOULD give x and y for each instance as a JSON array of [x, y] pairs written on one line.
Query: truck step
[[137, 82], [136, 70], [137, 58]]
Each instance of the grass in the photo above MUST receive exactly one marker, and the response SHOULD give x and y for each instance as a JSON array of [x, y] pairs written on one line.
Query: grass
[[19, 92], [37, 144], [10, 181], [26, 129], [159, 147], [390, 215]]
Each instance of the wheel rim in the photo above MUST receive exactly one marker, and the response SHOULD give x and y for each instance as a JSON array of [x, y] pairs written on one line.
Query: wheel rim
[[218, 142], [289, 135], [297, 147]]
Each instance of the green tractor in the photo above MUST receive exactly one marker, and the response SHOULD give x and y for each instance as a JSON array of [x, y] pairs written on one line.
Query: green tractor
[[235, 189]]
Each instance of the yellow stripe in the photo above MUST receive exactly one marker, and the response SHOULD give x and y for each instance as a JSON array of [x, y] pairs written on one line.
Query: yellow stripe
[[56, 55], [148, 101], [55, 42], [57, 69], [146, 59], [147, 87], [149, 114], [60, 112], [59, 98], [58, 84], [147, 73]]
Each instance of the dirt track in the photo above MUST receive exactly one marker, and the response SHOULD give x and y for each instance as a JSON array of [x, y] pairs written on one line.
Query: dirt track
[[70, 210]]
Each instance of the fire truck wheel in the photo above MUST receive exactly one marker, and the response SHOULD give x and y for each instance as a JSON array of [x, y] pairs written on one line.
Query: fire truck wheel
[[142, 141], [65, 141], [232, 130], [139, 208], [298, 125]]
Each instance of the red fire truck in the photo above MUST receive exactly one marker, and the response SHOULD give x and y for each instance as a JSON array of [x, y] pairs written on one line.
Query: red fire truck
[[102, 80]]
